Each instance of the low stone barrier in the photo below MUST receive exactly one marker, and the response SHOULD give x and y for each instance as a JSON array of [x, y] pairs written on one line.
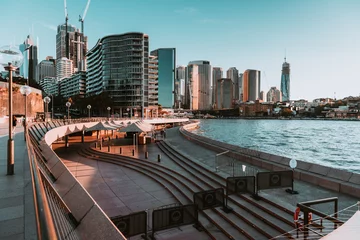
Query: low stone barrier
[[327, 177]]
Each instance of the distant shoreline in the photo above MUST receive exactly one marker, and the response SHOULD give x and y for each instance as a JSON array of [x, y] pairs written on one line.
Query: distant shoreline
[[271, 118]]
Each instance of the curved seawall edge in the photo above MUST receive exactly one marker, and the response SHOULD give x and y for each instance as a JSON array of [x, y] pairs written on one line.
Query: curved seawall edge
[[323, 176]]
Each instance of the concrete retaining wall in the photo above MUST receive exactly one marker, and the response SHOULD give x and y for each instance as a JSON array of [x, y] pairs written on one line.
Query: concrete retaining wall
[[330, 178]]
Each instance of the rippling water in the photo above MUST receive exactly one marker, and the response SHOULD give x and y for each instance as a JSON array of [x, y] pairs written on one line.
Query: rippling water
[[330, 143]]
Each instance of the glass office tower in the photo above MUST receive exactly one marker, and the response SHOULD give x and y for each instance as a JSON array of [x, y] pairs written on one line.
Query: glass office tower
[[166, 75], [285, 81]]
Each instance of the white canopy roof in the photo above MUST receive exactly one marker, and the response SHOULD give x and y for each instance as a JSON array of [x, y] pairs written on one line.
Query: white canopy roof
[[350, 230], [100, 126], [138, 127]]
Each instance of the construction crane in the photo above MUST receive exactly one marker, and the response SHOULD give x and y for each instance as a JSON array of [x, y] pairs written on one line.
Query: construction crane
[[81, 19], [66, 30]]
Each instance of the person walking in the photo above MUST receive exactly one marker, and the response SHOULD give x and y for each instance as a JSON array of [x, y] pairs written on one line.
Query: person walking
[[14, 125]]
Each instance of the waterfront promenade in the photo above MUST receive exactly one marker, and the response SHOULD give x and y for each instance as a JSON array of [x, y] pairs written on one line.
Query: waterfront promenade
[[120, 191], [17, 218]]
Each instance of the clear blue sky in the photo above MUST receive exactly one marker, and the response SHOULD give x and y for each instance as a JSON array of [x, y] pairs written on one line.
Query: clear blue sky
[[321, 37]]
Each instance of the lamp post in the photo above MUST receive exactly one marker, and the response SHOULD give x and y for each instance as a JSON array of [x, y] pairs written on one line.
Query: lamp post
[[108, 108], [128, 111], [25, 91], [11, 59], [47, 101], [89, 107], [68, 104]]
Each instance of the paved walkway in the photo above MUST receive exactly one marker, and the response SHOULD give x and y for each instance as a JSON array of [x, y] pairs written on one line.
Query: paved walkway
[[119, 190], [17, 219]]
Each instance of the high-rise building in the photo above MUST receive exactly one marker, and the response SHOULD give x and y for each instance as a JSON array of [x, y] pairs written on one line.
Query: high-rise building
[[119, 65], [274, 95], [29, 50], [166, 77], [224, 93], [262, 96], [240, 86], [180, 86], [217, 73], [76, 48], [64, 68], [153, 86], [46, 69], [233, 74], [285, 81], [251, 85], [199, 84]]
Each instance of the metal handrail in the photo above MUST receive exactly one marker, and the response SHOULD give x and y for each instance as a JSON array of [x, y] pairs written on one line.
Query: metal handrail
[[44, 221]]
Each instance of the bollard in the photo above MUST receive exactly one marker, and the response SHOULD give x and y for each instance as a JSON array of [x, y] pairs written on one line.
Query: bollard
[[159, 157], [109, 148], [120, 150], [146, 155], [133, 152]]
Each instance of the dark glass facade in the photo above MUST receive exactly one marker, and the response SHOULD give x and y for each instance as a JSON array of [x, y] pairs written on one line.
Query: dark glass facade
[[166, 75], [119, 65]]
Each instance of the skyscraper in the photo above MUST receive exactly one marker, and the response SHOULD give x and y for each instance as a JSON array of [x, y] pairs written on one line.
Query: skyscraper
[[285, 81], [46, 69], [29, 50], [274, 95], [224, 93], [166, 75], [217, 73], [119, 65], [153, 86], [77, 49], [233, 74], [64, 68], [251, 85], [198, 80], [180, 86]]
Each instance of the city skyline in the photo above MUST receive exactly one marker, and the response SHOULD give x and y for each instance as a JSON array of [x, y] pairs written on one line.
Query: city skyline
[[319, 37]]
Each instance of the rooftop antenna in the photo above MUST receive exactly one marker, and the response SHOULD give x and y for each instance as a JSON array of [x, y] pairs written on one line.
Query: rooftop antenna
[[285, 55]]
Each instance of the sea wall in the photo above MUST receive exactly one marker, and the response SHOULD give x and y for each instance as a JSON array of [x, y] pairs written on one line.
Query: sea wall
[[34, 101], [327, 177]]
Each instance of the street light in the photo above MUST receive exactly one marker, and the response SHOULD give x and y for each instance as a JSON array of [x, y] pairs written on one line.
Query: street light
[[68, 104], [25, 91], [108, 108], [10, 58], [47, 101], [89, 107]]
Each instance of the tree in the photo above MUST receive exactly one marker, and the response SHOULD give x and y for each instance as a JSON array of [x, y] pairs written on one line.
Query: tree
[[286, 112]]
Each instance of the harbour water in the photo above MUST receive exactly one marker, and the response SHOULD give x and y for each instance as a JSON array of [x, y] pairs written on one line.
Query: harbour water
[[330, 143]]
